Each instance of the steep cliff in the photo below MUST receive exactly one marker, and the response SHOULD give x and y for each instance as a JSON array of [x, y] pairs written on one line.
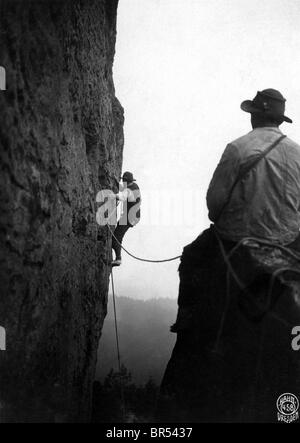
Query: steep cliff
[[61, 136], [233, 357]]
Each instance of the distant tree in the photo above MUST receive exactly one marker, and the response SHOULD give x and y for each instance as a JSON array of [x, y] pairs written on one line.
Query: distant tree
[[145, 404], [119, 400], [118, 379]]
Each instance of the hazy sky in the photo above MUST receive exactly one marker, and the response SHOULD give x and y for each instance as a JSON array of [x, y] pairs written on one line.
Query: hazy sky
[[182, 68]]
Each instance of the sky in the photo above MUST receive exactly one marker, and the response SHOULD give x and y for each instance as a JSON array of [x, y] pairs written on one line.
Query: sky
[[181, 70]]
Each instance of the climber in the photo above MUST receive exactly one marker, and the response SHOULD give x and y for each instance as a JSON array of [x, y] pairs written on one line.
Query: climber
[[130, 196], [255, 190]]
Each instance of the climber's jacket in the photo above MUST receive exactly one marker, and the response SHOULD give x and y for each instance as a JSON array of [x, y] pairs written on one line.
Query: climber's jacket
[[131, 198], [266, 202]]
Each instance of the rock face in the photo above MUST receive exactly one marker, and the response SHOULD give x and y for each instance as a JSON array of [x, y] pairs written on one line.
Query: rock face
[[61, 138], [233, 357]]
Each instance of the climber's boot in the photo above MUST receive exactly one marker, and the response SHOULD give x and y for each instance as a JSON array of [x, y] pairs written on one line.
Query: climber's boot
[[116, 262]]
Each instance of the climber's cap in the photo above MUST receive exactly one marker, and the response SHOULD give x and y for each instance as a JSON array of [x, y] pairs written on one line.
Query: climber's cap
[[268, 102], [128, 177]]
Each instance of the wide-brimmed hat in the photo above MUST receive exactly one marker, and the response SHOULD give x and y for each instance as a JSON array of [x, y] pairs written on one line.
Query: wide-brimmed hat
[[128, 177], [268, 102]]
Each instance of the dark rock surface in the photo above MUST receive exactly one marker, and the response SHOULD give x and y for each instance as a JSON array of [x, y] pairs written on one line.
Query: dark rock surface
[[61, 140], [233, 357]]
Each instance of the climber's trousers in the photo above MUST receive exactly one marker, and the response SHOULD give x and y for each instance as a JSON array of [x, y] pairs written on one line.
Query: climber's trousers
[[119, 233]]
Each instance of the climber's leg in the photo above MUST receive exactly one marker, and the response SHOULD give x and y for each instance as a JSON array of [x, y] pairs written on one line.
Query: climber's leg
[[119, 233]]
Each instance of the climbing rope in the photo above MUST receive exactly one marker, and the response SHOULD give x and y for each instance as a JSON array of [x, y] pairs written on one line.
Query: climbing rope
[[116, 322], [118, 347], [134, 256], [230, 271], [262, 242], [143, 259], [108, 259], [244, 242]]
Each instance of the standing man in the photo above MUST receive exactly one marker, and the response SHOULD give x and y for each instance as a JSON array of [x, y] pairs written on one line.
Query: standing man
[[130, 196]]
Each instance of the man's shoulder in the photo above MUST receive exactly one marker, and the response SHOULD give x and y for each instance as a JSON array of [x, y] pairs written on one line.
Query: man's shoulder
[[292, 144], [265, 136], [133, 186], [242, 140]]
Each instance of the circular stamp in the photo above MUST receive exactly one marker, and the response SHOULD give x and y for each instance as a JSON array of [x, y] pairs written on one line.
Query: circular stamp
[[287, 406]]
